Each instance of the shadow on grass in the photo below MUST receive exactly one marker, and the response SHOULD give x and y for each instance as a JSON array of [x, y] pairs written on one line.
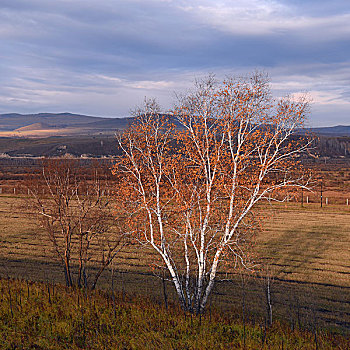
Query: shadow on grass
[[300, 303]]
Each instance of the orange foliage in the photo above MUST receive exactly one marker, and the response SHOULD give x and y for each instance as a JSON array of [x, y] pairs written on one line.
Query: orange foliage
[[190, 191]]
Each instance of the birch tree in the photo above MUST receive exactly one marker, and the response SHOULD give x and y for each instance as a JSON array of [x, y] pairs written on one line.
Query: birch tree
[[192, 181]]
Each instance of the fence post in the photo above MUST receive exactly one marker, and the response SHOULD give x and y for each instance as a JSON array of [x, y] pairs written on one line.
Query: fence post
[[307, 199], [302, 197], [347, 201], [326, 200]]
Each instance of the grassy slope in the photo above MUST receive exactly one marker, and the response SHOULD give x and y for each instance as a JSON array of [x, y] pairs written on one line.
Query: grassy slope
[[43, 316], [52, 146]]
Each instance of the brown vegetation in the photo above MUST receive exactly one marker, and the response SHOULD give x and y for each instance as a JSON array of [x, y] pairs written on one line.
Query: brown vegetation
[[73, 205], [47, 316]]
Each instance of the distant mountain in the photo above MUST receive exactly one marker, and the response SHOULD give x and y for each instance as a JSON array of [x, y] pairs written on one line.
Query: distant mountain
[[339, 130], [116, 123], [35, 126], [50, 134], [14, 121], [58, 124], [68, 124]]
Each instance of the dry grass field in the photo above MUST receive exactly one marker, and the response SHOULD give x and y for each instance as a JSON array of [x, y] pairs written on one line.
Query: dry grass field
[[37, 315], [307, 248]]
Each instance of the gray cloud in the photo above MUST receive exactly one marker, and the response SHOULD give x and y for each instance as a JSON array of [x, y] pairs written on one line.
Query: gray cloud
[[103, 57]]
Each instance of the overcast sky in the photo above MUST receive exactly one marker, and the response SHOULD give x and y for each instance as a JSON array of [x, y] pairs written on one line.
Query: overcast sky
[[101, 57]]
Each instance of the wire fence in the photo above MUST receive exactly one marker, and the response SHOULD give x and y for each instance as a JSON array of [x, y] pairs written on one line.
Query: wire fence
[[327, 197]]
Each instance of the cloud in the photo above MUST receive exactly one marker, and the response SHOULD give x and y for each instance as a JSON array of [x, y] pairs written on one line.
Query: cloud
[[261, 17], [104, 57]]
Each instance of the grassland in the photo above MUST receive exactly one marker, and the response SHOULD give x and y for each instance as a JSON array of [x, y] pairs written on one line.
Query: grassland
[[308, 249], [47, 316]]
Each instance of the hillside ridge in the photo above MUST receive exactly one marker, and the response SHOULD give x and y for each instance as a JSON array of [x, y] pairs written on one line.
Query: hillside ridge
[[69, 124]]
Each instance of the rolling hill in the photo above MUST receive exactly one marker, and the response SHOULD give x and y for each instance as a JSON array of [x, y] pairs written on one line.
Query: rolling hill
[[50, 134], [339, 130], [61, 124], [68, 124]]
